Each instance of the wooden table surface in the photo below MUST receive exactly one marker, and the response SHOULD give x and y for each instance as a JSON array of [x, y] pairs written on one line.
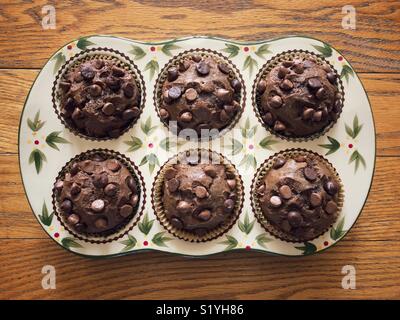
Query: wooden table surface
[[372, 246]]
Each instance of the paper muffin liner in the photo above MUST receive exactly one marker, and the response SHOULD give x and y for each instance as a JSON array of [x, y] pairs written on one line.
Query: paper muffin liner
[[157, 96], [124, 228], [121, 60], [258, 180], [157, 199], [272, 63]]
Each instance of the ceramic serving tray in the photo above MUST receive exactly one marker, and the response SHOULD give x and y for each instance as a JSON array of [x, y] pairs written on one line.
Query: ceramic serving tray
[[45, 145]]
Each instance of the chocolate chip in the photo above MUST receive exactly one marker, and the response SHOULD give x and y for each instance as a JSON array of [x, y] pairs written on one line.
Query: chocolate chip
[[87, 73], [327, 68], [320, 94], [58, 186], [261, 189], [236, 85], [108, 109], [298, 68], [282, 72], [261, 86], [95, 90], [224, 95], [201, 192], [134, 200], [98, 64], [314, 83], [317, 116], [172, 74], [97, 205], [77, 114], [210, 171], [315, 199], [224, 116], [186, 117], [177, 223], [113, 165], [126, 210], [183, 65], [129, 114], [285, 192], [164, 114], [117, 72], [275, 201], [101, 223], [231, 183], [208, 87], [131, 183], [110, 189], [65, 86], [300, 158], [310, 173], [331, 77], [229, 205], [275, 102], [80, 227], [286, 85], [230, 109], [331, 207], [308, 64], [268, 118], [202, 68], [287, 63], [184, 207], [170, 173], [223, 67], [113, 83], [74, 169], [308, 113], [73, 219], [331, 187], [70, 105], [174, 93], [100, 180], [279, 163], [295, 218], [191, 94], [66, 206], [87, 166], [196, 58], [204, 215], [173, 185], [129, 89], [75, 189], [279, 126]]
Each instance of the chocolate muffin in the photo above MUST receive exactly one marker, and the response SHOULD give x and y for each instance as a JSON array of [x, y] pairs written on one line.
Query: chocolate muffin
[[198, 199], [96, 196], [200, 92], [99, 97], [299, 197], [299, 97]]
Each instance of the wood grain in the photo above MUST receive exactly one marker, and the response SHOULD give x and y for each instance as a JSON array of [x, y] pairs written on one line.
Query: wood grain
[[372, 246]]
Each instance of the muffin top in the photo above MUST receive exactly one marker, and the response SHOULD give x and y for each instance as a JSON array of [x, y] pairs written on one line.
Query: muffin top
[[97, 195], [299, 98], [99, 99], [198, 197], [299, 197], [200, 93]]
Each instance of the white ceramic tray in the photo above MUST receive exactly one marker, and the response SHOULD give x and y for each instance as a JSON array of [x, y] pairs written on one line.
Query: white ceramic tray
[[45, 146]]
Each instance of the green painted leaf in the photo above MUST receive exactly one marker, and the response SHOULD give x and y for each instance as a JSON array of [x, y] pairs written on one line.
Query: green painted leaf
[[247, 131], [230, 242], [166, 48], [144, 160], [36, 124], [53, 138], [355, 130], [37, 157], [325, 50], [246, 226], [231, 49], [45, 218], [134, 144], [236, 146], [263, 50], [338, 232], [267, 142], [69, 242], [263, 239], [308, 248], [250, 63], [346, 72], [60, 60], [159, 239], [83, 43], [146, 127], [153, 67], [357, 158], [168, 143], [248, 161], [153, 162], [145, 225], [137, 52], [129, 243], [332, 147]]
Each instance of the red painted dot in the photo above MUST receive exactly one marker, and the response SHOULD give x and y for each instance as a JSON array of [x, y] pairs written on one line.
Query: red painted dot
[[69, 47], [153, 49], [350, 145], [340, 58], [145, 243], [251, 147], [36, 141], [326, 243], [56, 235], [151, 145], [248, 247], [246, 49]]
